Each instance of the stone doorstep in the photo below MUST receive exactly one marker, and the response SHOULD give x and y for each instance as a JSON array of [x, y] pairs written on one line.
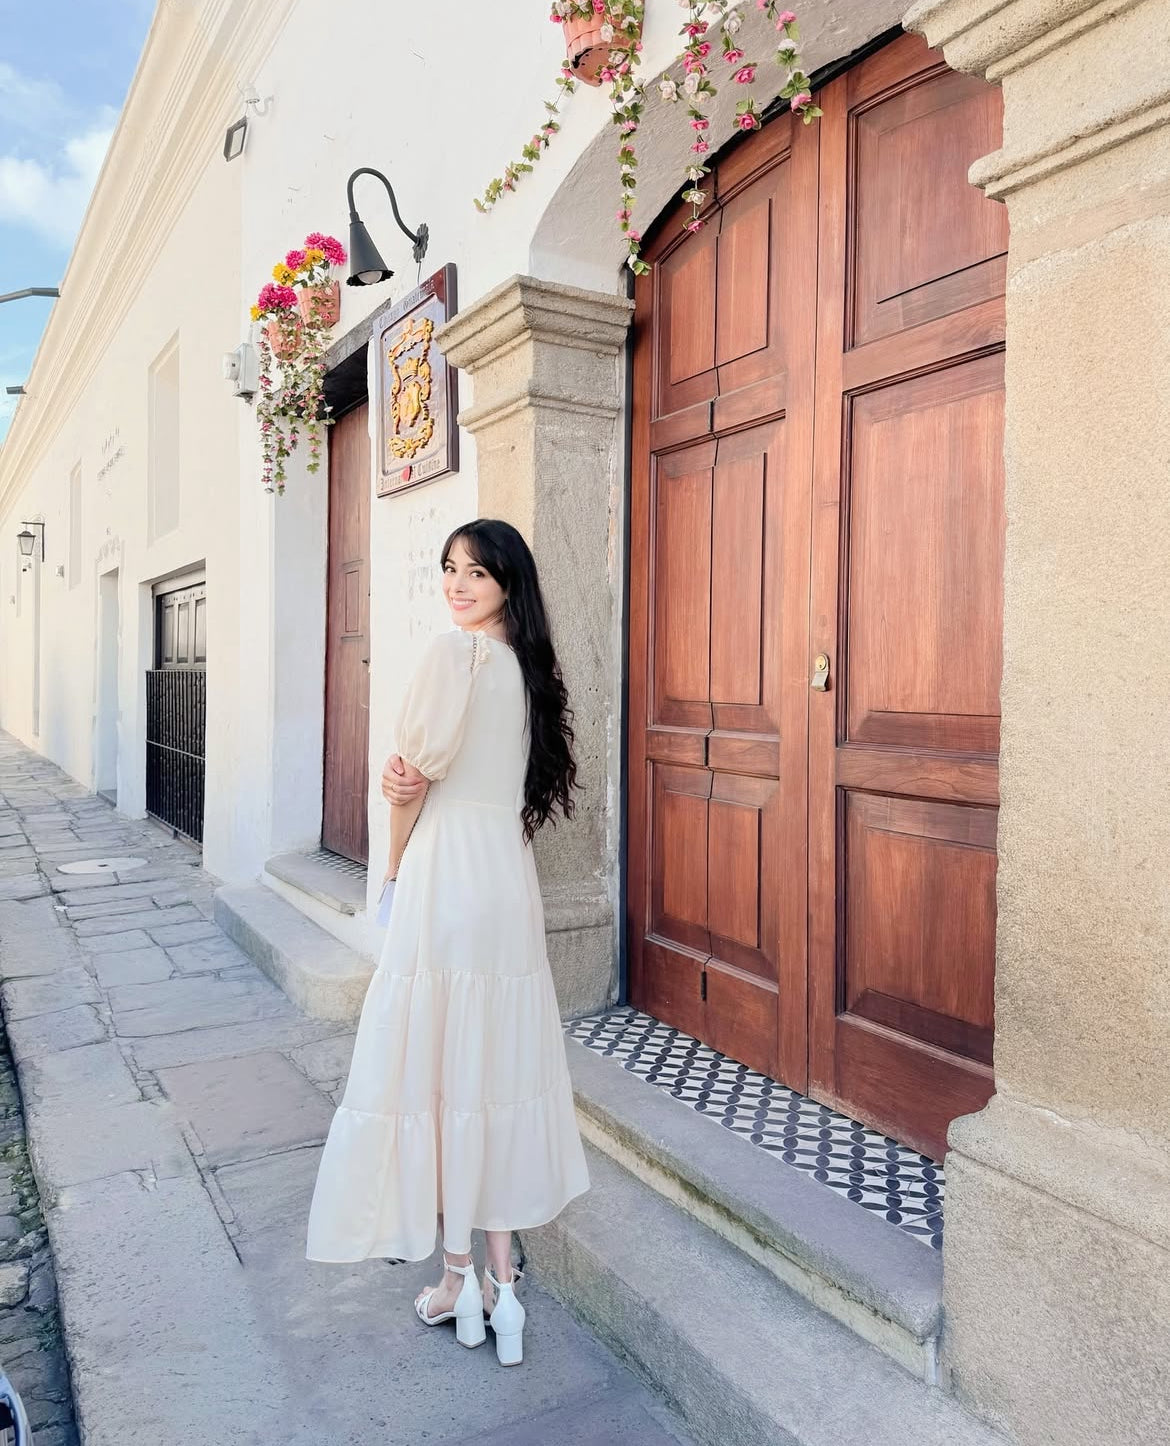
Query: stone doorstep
[[337, 890], [878, 1281], [740, 1356], [320, 974]]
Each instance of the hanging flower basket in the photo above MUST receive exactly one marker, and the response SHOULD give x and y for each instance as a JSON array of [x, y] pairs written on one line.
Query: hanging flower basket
[[296, 309], [284, 337], [604, 47], [320, 305], [589, 39]]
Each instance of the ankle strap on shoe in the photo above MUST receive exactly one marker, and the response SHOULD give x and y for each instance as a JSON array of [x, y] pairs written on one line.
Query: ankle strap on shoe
[[464, 1270], [516, 1275]]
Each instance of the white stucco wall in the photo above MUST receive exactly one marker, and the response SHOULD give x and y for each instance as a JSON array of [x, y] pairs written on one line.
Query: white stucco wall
[[439, 99]]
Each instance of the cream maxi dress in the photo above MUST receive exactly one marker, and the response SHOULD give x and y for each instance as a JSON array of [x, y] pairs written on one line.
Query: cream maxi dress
[[458, 1101]]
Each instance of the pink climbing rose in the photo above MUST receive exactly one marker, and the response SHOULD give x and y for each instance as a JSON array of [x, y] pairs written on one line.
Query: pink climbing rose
[[801, 99]]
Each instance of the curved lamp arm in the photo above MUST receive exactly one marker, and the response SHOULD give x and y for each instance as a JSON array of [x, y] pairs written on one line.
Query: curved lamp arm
[[419, 237], [33, 291]]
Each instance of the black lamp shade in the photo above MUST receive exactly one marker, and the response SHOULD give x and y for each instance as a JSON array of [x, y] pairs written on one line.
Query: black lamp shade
[[27, 541], [366, 267]]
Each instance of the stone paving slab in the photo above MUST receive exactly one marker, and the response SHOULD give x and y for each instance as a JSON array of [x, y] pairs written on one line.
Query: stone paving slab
[[44, 994], [176, 1102], [164, 1340], [95, 1073], [93, 1144], [48, 1033], [256, 1105], [135, 966]]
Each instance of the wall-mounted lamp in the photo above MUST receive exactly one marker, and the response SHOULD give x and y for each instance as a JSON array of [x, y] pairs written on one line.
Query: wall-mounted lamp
[[15, 391], [237, 132], [366, 267], [27, 539]]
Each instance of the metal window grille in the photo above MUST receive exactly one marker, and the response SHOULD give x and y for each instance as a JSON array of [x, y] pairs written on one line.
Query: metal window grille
[[176, 717]]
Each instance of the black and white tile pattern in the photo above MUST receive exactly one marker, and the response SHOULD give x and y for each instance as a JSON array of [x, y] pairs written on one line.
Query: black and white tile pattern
[[876, 1172], [339, 864]]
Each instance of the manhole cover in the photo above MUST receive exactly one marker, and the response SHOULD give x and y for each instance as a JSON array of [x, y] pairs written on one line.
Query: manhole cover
[[102, 866]]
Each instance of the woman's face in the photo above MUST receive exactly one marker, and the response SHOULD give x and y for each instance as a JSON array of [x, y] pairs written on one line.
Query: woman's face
[[473, 595]]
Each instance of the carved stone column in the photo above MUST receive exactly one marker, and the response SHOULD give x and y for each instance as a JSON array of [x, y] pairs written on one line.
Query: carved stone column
[[1057, 1277], [547, 367]]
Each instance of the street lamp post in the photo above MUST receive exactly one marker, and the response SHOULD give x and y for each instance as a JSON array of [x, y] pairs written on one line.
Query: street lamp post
[[19, 296], [30, 291]]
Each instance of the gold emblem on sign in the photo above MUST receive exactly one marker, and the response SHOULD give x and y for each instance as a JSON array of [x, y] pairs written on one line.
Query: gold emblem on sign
[[412, 424]]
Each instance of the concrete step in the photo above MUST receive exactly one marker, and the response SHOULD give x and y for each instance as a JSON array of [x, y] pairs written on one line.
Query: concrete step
[[872, 1277], [739, 1355], [319, 973]]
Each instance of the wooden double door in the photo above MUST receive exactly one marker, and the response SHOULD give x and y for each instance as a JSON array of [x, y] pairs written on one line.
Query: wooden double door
[[345, 805], [815, 616]]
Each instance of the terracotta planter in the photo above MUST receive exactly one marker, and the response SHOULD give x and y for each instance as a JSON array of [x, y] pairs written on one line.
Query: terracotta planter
[[284, 337], [587, 52], [321, 303]]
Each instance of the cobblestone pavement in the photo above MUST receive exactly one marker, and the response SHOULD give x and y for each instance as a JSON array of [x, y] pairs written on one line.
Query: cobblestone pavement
[[175, 1103], [31, 1349]]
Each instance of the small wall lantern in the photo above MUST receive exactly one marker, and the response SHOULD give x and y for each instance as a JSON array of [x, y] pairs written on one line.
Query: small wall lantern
[[366, 267], [27, 539]]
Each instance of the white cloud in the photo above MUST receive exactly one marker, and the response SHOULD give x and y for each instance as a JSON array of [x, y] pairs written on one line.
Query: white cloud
[[28, 104], [50, 197]]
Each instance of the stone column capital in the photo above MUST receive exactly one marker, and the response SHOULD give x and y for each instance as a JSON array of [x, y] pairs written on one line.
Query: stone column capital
[[523, 309], [1080, 78], [979, 36]]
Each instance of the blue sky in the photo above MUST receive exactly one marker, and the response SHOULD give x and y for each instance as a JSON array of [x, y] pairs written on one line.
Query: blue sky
[[65, 66]]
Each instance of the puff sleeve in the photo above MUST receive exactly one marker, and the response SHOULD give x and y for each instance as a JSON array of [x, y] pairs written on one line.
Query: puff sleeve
[[434, 711]]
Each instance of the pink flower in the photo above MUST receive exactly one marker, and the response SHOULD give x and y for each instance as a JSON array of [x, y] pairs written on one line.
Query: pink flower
[[801, 99], [747, 121], [700, 148], [693, 65], [295, 260], [557, 19], [623, 214], [276, 298], [786, 17], [599, 7], [633, 235], [700, 123], [695, 225], [733, 56], [746, 75], [703, 48], [607, 74], [629, 127], [696, 29], [332, 247]]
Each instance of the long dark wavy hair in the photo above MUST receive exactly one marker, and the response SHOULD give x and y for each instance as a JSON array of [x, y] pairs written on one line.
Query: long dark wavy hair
[[552, 769]]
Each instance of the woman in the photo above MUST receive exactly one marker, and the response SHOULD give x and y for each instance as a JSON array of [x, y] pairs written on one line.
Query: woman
[[458, 1103]]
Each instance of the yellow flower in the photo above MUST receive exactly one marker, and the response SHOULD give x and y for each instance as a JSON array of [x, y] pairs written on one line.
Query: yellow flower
[[282, 275], [255, 313], [313, 257]]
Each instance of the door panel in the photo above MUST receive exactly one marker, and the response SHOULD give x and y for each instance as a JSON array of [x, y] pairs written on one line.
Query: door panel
[[907, 561], [345, 811], [719, 609], [912, 148]]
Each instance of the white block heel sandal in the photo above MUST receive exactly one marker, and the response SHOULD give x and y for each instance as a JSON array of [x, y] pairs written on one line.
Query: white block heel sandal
[[507, 1320], [467, 1313]]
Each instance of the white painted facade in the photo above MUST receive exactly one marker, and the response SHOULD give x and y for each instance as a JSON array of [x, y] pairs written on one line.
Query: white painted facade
[[174, 248]]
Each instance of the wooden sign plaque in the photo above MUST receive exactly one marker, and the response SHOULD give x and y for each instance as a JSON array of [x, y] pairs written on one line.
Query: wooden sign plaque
[[416, 391]]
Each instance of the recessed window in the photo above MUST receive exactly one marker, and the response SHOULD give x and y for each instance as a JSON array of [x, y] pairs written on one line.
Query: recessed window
[[163, 455]]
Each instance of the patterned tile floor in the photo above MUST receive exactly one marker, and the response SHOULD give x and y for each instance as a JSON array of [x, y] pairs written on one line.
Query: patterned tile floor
[[876, 1172]]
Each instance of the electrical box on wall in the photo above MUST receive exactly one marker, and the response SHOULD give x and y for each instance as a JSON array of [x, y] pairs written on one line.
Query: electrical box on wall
[[241, 370]]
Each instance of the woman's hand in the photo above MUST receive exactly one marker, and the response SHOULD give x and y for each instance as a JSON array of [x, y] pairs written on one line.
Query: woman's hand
[[401, 781]]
